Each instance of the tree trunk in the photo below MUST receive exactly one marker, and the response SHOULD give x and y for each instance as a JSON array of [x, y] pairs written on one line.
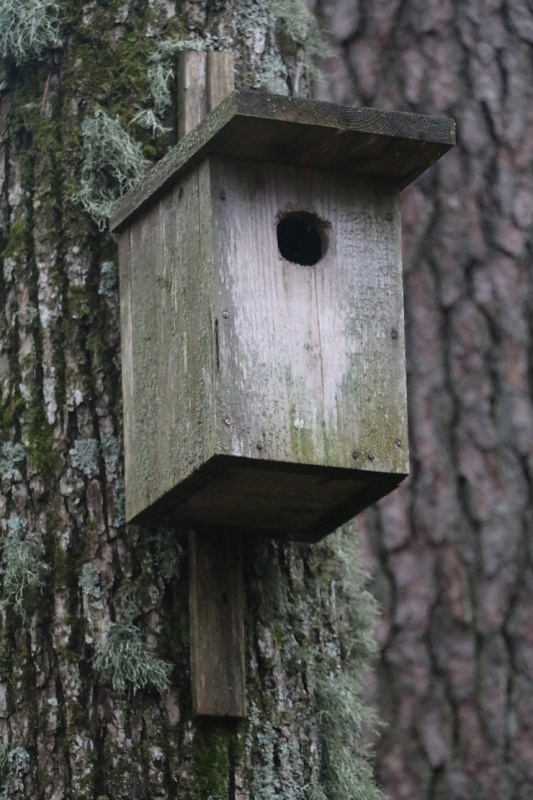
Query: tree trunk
[[95, 697], [451, 551]]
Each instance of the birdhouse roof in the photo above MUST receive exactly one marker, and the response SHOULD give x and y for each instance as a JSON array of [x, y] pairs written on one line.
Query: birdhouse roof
[[258, 126]]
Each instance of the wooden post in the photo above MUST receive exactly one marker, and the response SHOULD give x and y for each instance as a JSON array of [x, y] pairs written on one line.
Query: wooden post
[[216, 594], [216, 599], [204, 80]]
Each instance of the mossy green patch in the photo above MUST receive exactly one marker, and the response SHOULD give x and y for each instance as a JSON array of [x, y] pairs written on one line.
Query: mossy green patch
[[40, 440]]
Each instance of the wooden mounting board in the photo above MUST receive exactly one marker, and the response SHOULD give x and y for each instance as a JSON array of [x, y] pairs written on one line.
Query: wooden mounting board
[[263, 127], [216, 599]]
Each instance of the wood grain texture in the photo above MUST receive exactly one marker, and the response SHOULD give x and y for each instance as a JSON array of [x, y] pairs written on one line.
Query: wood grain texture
[[309, 367], [169, 421], [220, 76], [266, 127], [126, 343], [216, 598], [192, 90]]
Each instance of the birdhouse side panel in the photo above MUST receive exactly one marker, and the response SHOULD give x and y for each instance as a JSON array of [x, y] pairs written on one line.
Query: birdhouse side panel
[[169, 342], [308, 294], [126, 343]]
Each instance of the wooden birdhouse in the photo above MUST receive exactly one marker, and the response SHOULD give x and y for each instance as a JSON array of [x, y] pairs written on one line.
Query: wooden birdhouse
[[262, 316]]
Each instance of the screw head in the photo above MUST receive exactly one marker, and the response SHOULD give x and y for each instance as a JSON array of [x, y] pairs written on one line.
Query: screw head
[[225, 314], [388, 216], [398, 442], [223, 194], [393, 333], [227, 421], [370, 456], [355, 454], [259, 445]]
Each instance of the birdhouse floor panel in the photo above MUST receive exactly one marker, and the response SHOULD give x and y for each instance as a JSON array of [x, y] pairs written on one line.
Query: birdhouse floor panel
[[256, 497]]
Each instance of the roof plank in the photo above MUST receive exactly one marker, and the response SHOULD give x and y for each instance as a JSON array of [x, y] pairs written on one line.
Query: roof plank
[[264, 127]]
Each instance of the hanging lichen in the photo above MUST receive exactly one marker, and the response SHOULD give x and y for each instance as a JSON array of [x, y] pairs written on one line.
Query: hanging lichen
[[283, 42], [346, 768], [300, 40], [160, 74], [123, 656], [332, 664], [27, 27], [111, 163], [24, 565]]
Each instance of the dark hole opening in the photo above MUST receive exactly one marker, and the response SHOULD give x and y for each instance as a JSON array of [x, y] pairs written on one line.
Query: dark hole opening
[[301, 239]]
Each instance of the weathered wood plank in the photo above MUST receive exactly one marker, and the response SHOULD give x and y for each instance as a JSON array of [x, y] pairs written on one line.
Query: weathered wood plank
[[216, 568], [126, 344], [192, 90], [266, 127], [220, 76], [216, 597], [169, 421]]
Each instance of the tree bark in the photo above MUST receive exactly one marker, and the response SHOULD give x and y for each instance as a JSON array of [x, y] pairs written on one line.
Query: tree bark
[[451, 551], [95, 695]]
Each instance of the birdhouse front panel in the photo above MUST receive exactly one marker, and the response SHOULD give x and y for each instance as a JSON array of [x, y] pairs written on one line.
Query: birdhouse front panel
[[308, 309], [262, 317]]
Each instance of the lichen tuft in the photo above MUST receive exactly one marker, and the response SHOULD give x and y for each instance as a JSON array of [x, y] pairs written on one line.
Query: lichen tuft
[[24, 565], [111, 163], [27, 27], [300, 41], [123, 656], [346, 768]]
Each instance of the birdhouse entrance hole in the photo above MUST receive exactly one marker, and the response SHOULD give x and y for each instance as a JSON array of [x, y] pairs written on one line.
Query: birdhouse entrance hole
[[301, 238]]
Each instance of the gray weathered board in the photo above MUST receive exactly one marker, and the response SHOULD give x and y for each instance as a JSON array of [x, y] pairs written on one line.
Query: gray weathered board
[[261, 395], [217, 627]]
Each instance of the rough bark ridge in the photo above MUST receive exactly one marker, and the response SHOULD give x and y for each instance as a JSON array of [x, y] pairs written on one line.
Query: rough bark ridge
[[451, 551], [93, 613]]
